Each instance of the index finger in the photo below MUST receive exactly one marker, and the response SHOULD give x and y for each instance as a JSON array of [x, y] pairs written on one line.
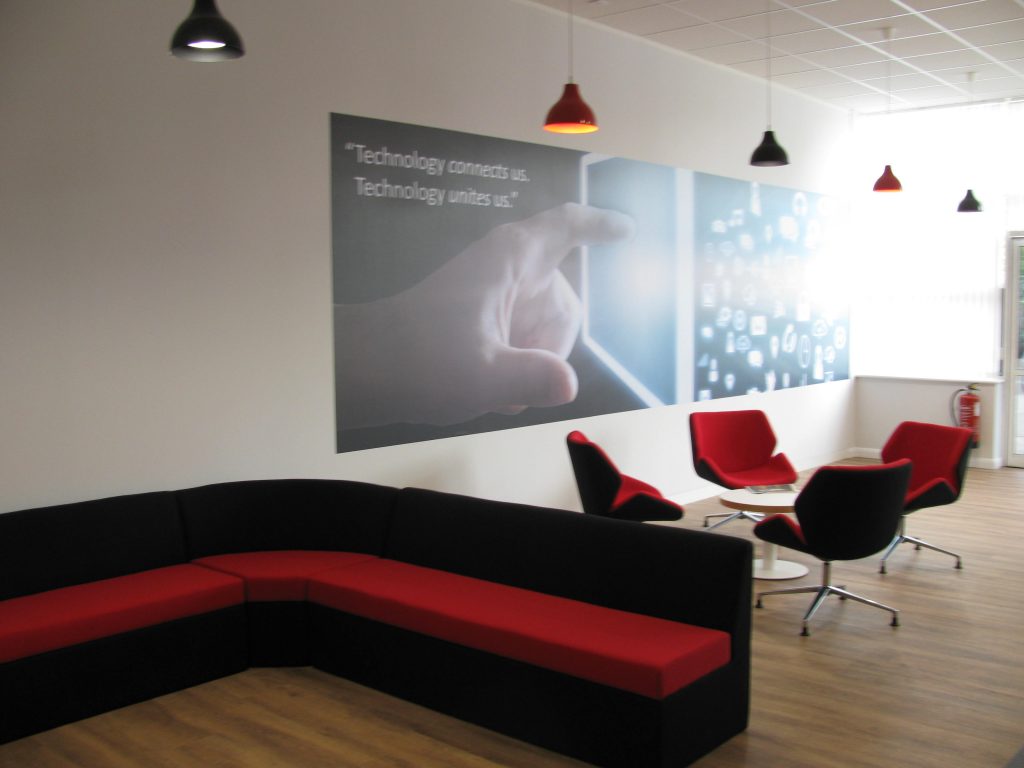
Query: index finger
[[558, 230]]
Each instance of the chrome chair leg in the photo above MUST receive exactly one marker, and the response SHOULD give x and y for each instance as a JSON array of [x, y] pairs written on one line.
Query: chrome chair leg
[[852, 596], [918, 543], [822, 591], [730, 516], [902, 537]]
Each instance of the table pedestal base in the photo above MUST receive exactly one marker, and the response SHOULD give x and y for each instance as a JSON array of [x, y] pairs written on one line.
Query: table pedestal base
[[770, 567]]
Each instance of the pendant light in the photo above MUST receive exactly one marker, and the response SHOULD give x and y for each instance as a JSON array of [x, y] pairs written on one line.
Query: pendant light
[[570, 114], [888, 182], [970, 203], [206, 35], [769, 152]]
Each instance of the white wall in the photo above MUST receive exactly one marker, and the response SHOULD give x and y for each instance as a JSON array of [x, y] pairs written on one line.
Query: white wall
[[882, 402], [165, 307]]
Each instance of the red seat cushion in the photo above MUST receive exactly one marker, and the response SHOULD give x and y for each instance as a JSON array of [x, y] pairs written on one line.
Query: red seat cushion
[[281, 574], [631, 487], [646, 655], [67, 616], [778, 470]]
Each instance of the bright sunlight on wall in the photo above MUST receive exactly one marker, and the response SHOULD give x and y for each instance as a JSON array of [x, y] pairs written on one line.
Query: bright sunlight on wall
[[929, 280]]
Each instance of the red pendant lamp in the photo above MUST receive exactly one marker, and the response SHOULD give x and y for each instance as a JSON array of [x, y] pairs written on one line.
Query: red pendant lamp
[[570, 114], [888, 182]]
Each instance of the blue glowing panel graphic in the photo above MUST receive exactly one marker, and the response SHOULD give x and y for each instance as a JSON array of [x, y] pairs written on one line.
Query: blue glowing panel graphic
[[630, 289], [766, 312]]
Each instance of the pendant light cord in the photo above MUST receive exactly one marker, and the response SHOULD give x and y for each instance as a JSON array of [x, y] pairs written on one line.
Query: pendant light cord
[[570, 43], [768, 21], [888, 70]]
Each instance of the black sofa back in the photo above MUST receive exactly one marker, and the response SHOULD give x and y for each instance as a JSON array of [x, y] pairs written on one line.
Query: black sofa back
[[71, 544], [536, 548], [260, 515]]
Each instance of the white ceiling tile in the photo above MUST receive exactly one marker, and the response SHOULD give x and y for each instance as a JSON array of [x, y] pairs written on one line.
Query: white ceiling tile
[[806, 42], [990, 71], [842, 57], [993, 34], [904, 27], [874, 70], [917, 81], [717, 10], [996, 85], [736, 53], [782, 23], [809, 78], [948, 60], [837, 90], [974, 14], [697, 38], [931, 93], [924, 45], [1007, 52], [782, 65], [841, 12], [829, 49], [645, 21], [601, 10], [931, 5], [867, 103]]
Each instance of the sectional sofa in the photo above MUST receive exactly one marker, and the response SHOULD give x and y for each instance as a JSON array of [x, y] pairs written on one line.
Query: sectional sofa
[[619, 643]]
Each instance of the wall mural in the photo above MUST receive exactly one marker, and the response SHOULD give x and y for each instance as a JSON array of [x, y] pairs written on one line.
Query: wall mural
[[483, 284]]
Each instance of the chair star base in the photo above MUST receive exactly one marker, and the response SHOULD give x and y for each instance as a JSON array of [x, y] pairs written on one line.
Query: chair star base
[[730, 516], [902, 538], [823, 590]]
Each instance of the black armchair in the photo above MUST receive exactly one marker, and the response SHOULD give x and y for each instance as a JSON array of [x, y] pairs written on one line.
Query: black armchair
[[843, 513], [607, 492]]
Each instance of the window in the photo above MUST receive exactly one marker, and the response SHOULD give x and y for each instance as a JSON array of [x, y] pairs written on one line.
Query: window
[[929, 281]]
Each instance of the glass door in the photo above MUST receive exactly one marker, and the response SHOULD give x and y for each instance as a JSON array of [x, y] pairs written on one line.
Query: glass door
[[1015, 353]]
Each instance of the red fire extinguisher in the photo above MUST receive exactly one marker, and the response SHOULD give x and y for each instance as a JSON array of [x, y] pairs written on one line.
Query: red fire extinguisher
[[965, 408]]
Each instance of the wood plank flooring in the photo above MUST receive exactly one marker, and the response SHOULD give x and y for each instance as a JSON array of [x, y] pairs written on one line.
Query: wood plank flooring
[[946, 688]]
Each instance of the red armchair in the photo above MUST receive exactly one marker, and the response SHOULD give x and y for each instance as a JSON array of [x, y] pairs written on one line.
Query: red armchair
[[939, 454], [607, 492], [734, 449]]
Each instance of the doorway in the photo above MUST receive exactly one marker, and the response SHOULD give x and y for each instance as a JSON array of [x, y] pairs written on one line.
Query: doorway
[[1014, 354]]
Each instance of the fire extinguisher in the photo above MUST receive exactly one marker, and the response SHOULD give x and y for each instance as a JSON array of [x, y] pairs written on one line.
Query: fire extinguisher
[[965, 408]]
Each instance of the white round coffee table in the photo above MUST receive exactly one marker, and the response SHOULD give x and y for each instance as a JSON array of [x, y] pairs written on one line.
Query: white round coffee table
[[770, 503]]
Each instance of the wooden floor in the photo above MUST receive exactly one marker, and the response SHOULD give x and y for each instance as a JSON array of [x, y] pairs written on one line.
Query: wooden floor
[[944, 689]]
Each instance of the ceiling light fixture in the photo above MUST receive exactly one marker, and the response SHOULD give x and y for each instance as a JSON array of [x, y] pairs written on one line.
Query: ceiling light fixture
[[888, 182], [570, 114], [970, 203], [769, 152], [206, 35]]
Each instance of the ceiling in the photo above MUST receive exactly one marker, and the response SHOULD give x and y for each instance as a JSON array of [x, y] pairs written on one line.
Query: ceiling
[[942, 52]]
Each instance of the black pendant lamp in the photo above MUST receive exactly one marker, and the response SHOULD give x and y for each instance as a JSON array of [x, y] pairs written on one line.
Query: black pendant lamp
[[206, 35], [570, 114], [970, 203], [888, 182], [769, 152]]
